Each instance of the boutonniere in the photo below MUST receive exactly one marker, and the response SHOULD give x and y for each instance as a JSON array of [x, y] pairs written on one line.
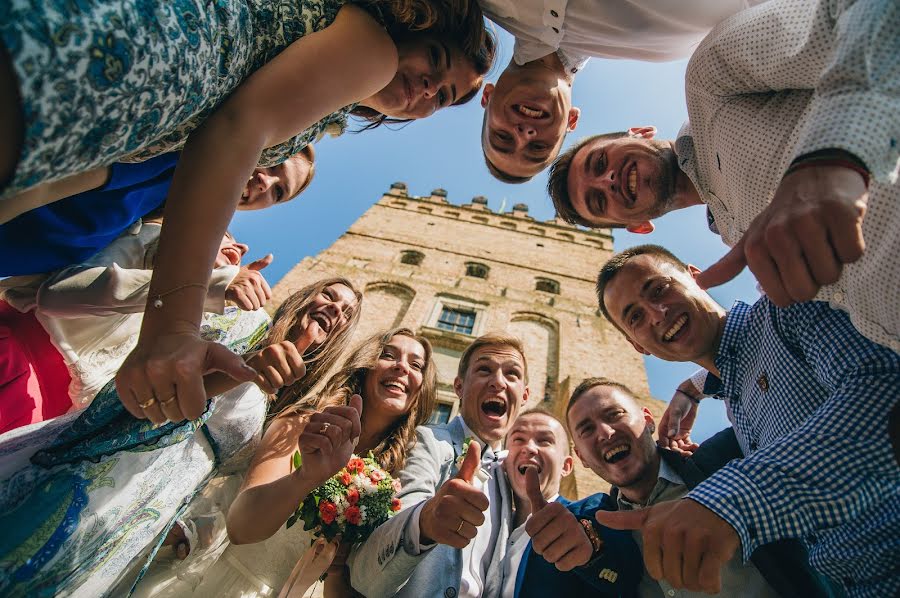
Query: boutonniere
[[481, 476]]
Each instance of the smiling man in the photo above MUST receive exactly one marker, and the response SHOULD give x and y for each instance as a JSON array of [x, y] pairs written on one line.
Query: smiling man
[[451, 534], [809, 397]]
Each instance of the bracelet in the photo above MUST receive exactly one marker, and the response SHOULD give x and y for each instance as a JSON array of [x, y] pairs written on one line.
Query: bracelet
[[591, 533], [693, 400], [830, 161], [158, 302]]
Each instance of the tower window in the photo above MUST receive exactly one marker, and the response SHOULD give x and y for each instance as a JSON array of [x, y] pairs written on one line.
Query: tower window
[[456, 320], [476, 270], [440, 414], [413, 258], [547, 285]]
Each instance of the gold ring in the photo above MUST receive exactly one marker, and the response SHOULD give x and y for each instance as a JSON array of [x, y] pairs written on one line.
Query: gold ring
[[325, 427], [459, 529], [168, 401], [147, 403]]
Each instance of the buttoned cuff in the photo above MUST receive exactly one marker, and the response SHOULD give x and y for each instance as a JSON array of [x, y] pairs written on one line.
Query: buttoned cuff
[[218, 284], [845, 122], [412, 536], [698, 379]]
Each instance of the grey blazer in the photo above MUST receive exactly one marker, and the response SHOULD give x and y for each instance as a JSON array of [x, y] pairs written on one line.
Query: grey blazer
[[382, 566]]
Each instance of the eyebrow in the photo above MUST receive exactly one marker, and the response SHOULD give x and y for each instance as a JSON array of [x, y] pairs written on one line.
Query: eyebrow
[[644, 288], [494, 145]]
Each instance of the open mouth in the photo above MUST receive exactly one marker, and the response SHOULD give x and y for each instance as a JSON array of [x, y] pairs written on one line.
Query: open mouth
[[617, 453], [494, 407], [395, 386], [630, 187], [674, 331], [530, 111], [322, 320], [407, 88], [529, 465]]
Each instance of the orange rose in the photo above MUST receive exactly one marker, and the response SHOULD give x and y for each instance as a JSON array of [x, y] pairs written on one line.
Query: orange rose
[[328, 511], [356, 464], [345, 478], [353, 496], [353, 515], [395, 504]]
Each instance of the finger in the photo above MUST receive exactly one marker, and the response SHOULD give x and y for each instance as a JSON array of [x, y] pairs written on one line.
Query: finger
[[263, 383], [182, 550], [266, 289], [339, 429], [465, 530], [796, 277], [471, 463], [533, 489], [125, 389], [241, 300], [652, 547], [672, 552], [725, 269], [295, 363], [273, 377], [710, 575], [220, 358], [760, 263], [311, 442], [576, 557], [307, 337], [690, 566], [820, 256], [259, 292], [168, 402], [154, 413], [261, 262], [622, 519], [846, 236]]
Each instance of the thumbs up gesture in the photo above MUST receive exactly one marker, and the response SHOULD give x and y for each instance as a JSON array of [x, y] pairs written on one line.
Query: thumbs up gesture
[[329, 438], [555, 533], [281, 364], [684, 542], [453, 514], [249, 289]]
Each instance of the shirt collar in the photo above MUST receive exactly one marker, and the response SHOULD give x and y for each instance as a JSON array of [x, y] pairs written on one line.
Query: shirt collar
[[488, 455], [665, 478], [730, 347]]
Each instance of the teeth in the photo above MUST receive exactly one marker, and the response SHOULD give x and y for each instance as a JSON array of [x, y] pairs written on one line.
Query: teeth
[[394, 384], [529, 112], [675, 327], [324, 323], [615, 451], [632, 181]]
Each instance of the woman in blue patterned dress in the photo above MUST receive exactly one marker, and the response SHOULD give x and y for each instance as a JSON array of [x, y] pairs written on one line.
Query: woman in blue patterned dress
[[84, 83], [86, 498]]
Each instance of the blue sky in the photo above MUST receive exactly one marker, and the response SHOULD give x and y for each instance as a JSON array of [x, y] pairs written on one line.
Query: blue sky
[[444, 151]]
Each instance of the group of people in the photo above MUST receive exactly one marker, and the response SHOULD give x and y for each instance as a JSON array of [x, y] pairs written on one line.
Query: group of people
[[150, 408]]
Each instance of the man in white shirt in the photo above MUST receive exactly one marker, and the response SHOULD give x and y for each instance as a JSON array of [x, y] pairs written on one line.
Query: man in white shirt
[[529, 110], [451, 533]]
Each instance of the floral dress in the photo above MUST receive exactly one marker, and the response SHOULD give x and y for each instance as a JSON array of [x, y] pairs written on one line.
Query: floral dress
[[105, 82], [86, 498]]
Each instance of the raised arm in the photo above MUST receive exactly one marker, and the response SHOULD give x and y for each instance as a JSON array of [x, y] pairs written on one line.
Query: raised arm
[[316, 75]]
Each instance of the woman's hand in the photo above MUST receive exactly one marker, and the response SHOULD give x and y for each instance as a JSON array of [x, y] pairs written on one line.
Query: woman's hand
[[329, 439], [281, 364], [162, 379], [678, 419]]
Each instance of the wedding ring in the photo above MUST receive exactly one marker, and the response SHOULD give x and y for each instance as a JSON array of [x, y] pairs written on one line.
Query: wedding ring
[[147, 403], [459, 529], [168, 401], [325, 427]]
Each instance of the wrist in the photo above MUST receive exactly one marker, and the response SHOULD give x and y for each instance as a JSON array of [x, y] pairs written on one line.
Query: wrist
[[830, 158], [688, 396], [593, 537]]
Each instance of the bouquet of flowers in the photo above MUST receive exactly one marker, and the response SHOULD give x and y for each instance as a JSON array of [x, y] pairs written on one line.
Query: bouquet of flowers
[[352, 503]]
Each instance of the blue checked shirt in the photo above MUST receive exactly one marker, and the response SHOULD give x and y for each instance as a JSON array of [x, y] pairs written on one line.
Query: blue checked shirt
[[810, 397]]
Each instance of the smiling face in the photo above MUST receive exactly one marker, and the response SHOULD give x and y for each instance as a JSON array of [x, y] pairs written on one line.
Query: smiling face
[[277, 184], [614, 437], [537, 441], [328, 312], [527, 115], [624, 181], [492, 391], [392, 386], [662, 311], [432, 73], [230, 252]]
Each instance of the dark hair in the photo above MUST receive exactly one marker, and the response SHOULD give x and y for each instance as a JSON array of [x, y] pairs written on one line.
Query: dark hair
[[558, 183], [589, 383], [618, 261], [504, 177]]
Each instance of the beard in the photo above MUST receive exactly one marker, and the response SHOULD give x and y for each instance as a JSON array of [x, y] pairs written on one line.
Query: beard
[[663, 185]]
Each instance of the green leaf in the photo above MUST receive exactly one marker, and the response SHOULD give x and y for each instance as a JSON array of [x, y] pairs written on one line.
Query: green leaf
[[292, 520], [298, 460]]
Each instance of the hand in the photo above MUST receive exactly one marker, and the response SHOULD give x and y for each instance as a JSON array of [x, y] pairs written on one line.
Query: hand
[[328, 440], [684, 542], [555, 533], [249, 290], [802, 239], [165, 375], [282, 364], [676, 423], [177, 539], [453, 514]]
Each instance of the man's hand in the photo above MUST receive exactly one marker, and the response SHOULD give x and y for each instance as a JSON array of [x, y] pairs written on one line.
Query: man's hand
[[452, 516], [802, 239], [249, 290], [684, 542], [555, 533], [676, 423], [328, 440], [282, 364]]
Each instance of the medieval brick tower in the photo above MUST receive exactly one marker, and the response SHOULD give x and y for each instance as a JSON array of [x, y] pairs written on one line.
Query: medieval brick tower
[[453, 272]]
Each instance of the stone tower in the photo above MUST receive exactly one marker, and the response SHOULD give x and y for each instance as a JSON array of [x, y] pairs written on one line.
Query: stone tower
[[454, 272]]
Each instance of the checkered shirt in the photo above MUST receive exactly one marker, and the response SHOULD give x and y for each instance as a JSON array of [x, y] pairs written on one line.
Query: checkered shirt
[[810, 398], [787, 78]]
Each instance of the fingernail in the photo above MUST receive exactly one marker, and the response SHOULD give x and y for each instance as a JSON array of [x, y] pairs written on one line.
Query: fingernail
[[355, 441]]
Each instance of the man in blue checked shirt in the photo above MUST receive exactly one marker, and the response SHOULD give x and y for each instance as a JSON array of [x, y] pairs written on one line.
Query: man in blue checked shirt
[[810, 398]]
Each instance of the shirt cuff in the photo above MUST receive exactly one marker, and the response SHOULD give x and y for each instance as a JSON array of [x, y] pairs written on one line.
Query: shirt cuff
[[412, 537], [844, 122], [698, 379], [218, 284]]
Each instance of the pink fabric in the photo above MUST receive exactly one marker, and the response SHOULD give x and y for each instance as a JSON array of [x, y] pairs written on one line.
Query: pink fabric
[[34, 380]]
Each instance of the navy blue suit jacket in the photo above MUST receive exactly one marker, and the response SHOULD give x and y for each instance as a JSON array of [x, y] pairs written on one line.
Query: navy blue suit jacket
[[616, 572]]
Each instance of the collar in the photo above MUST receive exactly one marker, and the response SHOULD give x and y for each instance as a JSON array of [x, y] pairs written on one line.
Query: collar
[[666, 477], [730, 349], [488, 455]]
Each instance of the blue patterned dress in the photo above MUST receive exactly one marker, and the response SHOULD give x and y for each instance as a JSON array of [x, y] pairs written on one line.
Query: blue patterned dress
[[86, 498], [107, 81]]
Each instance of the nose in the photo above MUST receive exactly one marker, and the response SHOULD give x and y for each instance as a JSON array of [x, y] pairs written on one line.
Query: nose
[[498, 381], [242, 248], [604, 431], [264, 181], [530, 448], [402, 366], [657, 312], [526, 130], [607, 181]]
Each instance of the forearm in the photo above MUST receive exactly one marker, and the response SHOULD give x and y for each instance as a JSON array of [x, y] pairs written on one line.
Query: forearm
[[259, 511]]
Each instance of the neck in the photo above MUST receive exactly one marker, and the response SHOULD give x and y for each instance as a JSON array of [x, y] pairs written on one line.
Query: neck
[[639, 492], [708, 360], [686, 194], [523, 510], [373, 429]]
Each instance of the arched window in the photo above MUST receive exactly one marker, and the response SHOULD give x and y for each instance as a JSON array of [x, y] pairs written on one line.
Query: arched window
[[476, 270], [547, 285], [411, 257]]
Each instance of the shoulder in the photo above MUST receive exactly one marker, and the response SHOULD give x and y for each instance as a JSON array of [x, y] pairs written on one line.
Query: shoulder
[[363, 24], [591, 504]]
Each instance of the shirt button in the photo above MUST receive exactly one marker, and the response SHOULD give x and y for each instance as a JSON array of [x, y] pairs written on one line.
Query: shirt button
[[555, 30], [574, 70], [671, 592], [838, 296], [554, 14], [450, 592]]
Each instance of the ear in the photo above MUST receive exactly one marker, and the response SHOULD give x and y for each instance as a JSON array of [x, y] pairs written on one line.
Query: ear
[[568, 465], [574, 113], [694, 270], [578, 454], [457, 387], [642, 228], [525, 395], [642, 132], [486, 94], [648, 418], [638, 347]]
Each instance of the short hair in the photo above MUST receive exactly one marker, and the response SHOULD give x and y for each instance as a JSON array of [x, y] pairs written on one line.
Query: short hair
[[491, 339], [558, 183], [589, 383], [548, 414], [503, 177], [618, 261]]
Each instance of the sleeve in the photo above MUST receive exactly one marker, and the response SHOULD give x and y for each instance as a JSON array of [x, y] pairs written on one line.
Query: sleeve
[[383, 564], [618, 569], [844, 52], [126, 174], [819, 476], [698, 379]]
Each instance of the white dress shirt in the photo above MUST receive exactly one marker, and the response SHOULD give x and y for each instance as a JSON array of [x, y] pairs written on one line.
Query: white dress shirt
[[512, 560], [791, 77]]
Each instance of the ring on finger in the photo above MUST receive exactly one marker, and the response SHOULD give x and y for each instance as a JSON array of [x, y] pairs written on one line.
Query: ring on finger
[[168, 401], [459, 529], [148, 403], [324, 428]]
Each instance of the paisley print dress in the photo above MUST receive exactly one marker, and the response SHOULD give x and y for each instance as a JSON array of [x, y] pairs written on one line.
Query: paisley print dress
[[106, 81], [86, 498]]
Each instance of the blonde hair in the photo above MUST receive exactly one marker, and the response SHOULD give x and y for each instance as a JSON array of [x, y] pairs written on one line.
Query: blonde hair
[[285, 324], [350, 379], [491, 339]]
